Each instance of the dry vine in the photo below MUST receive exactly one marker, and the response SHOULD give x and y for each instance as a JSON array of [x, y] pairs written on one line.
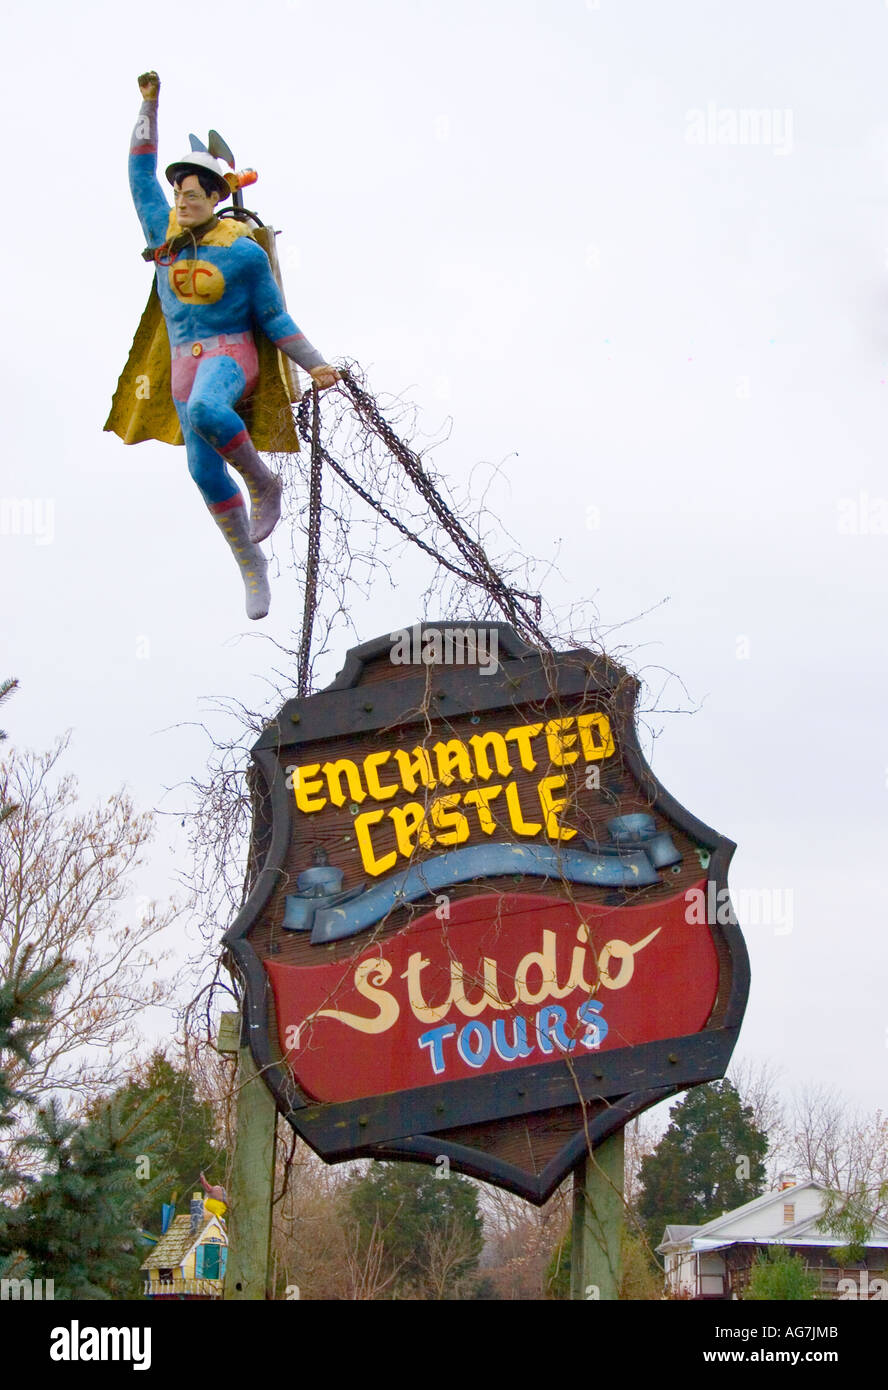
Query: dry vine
[[381, 495]]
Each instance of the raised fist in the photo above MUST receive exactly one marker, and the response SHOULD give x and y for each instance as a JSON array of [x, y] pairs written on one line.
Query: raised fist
[[149, 86]]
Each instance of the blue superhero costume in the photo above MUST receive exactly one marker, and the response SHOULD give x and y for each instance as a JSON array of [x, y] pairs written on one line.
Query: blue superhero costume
[[216, 288]]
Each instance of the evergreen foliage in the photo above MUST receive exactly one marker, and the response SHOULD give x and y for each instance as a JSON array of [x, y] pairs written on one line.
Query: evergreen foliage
[[777, 1274], [25, 1008], [25, 1012], [75, 1223], [710, 1160], [184, 1142], [7, 808]]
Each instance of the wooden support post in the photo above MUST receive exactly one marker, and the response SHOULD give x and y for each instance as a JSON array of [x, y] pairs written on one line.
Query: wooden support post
[[252, 1178], [598, 1221]]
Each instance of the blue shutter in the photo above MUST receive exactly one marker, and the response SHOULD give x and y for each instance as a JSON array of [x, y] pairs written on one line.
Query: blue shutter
[[199, 1262]]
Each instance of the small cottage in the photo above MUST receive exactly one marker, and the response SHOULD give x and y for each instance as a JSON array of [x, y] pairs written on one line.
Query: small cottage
[[714, 1261], [188, 1262]]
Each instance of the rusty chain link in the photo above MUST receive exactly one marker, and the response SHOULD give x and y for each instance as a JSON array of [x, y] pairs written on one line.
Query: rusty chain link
[[479, 571], [313, 556]]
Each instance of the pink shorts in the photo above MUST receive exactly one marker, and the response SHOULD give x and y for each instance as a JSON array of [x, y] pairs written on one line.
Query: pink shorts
[[184, 368]]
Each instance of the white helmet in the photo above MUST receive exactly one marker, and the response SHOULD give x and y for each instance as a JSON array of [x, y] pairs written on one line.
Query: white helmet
[[199, 161]]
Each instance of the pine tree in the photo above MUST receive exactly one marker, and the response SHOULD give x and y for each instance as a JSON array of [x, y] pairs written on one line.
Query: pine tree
[[75, 1224], [6, 689], [78, 1222], [25, 1009], [184, 1143], [710, 1160], [25, 1013]]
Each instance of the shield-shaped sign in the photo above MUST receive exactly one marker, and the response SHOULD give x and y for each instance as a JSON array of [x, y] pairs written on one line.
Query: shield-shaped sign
[[478, 928]]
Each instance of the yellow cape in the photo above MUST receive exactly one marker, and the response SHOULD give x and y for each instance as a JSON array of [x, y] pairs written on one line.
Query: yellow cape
[[143, 408]]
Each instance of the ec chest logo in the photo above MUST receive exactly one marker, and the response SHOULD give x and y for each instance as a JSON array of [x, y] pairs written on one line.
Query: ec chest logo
[[196, 282]]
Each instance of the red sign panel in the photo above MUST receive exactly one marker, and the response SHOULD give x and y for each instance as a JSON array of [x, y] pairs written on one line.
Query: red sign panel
[[505, 981]]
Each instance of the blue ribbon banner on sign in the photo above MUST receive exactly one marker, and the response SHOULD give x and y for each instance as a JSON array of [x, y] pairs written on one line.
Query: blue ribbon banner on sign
[[632, 860]]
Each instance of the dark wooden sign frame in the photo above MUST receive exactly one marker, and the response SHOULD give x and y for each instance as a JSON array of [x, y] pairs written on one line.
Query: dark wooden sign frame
[[523, 1129]]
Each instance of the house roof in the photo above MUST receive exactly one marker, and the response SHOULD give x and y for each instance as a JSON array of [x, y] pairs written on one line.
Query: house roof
[[717, 1233], [809, 1231], [677, 1235], [177, 1242]]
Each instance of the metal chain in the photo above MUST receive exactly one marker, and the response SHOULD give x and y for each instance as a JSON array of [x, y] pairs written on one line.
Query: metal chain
[[480, 571], [312, 563], [378, 507], [483, 572]]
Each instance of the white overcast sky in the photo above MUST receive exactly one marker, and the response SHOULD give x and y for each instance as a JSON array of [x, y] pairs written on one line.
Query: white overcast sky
[[496, 208]]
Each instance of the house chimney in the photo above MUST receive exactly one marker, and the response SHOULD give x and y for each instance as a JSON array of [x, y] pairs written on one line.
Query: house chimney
[[787, 1180], [197, 1212]]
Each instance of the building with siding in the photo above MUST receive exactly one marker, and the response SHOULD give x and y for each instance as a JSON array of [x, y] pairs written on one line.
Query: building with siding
[[714, 1261]]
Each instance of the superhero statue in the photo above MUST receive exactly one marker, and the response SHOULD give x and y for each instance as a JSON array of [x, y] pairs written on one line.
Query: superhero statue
[[214, 290]]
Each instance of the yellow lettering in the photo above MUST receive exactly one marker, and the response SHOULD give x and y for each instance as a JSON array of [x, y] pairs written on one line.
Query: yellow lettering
[[578, 959], [411, 764], [387, 1005], [371, 777], [558, 741], [595, 736], [552, 805], [516, 816], [625, 954], [450, 755], [426, 1013], [362, 834], [333, 773], [445, 819], [409, 820], [522, 735], [545, 962], [481, 797], [305, 789], [480, 744], [490, 998]]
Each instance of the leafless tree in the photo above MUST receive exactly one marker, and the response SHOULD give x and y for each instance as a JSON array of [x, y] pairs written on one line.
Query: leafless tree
[[846, 1150], [370, 1270], [521, 1240], [447, 1246], [65, 875]]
